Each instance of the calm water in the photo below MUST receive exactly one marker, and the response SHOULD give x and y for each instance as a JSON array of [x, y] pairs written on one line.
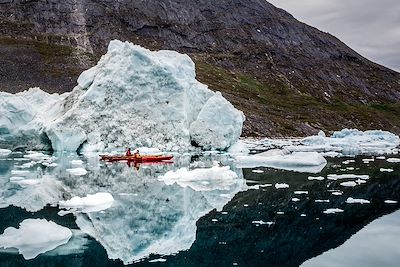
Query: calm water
[[210, 223]]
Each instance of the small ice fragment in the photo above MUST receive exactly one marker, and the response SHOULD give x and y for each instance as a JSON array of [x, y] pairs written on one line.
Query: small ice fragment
[[390, 201], [280, 186], [301, 192], [322, 201], [257, 171], [214, 220], [348, 184], [280, 212], [245, 205], [337, 193], [5, 152], [393, 160], [347, 176], [26, 181], [350, 168], [332, 211], [318, 178], [295, 199], [351, 200], [386, 170], [367, 160], [303, 215], [224, 212], [381, 157], [158, 260], [359, 181]]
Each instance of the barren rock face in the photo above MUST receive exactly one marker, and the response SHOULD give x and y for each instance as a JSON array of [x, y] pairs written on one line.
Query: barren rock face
[[287, 77]]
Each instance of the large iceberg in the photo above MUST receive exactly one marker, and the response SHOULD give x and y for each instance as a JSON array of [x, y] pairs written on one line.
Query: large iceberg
[[132, 97]]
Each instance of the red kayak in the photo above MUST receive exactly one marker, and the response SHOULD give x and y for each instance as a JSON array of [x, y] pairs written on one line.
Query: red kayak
[[144, 158]]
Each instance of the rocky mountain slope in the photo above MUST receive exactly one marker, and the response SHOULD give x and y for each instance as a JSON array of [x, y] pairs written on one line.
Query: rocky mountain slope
[[287, 77]]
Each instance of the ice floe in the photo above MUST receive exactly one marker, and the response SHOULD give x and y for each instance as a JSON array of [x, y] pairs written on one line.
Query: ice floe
[[393, 160], [4, 152], [333, 211], [386, 170], [34, 237], [349, 184], [311, 162], [351, 200], [347, 176], [281, 186]]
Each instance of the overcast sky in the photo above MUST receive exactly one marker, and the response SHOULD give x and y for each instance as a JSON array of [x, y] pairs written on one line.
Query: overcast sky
[[371, 27]]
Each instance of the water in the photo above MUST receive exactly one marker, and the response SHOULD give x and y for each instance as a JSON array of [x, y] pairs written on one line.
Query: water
[[245, 221]]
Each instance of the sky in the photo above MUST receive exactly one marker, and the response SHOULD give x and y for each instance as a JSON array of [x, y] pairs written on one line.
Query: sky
[[370, 27]]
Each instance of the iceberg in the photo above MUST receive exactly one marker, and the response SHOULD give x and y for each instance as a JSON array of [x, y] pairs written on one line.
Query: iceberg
[[35, 236], [132, 97]]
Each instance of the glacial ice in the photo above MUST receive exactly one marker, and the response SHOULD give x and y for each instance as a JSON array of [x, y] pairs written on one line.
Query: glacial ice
[[35, 236], [132, 97]]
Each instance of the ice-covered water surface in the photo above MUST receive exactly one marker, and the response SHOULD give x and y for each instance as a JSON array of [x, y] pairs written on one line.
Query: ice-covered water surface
[[201, 207]]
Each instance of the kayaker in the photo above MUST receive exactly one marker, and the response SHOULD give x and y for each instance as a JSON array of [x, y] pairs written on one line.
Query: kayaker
[[136, 154], [128, 152]]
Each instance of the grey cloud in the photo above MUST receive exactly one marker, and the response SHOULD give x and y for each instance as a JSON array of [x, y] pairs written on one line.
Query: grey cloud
[[370, 27]]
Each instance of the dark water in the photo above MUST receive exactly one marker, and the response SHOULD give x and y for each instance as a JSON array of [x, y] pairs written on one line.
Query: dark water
[[224, 222]]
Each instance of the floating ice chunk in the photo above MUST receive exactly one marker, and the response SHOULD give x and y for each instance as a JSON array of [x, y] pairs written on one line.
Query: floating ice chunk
[[281, 186], [207, 179], [348, 184], [322, 201], [333, 211], [368, 160], [359, 181], [295, 199], [391, 201], [257, 171], [386, 170], [337, 193], [239, 148], [261, 222], [351, 200], [381, 157], [158, 260], [35, 236], [77, 171], [347, 176], [393, 160], [301, 192], [318, 178], [90, 203], [298, 161], [280, 212]]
